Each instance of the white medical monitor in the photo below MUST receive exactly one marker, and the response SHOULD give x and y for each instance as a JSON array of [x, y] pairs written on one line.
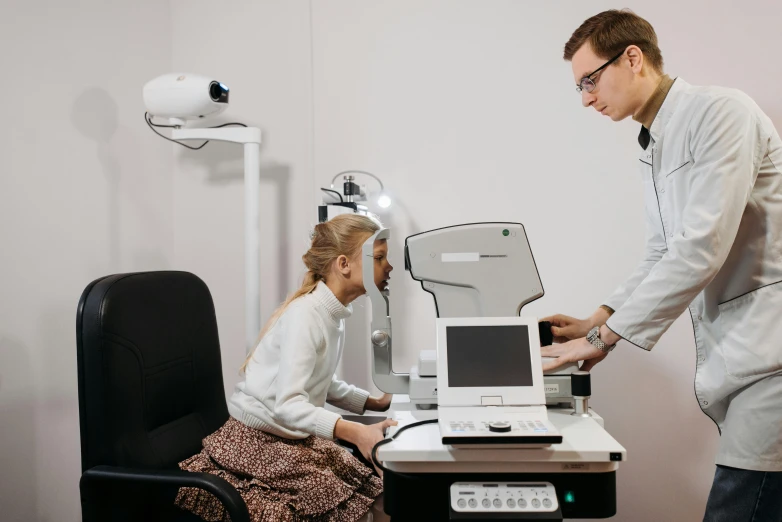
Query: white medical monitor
[[489, 361]]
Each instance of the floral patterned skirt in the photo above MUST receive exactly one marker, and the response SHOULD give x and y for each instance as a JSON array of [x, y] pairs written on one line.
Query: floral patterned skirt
[[281, 480]]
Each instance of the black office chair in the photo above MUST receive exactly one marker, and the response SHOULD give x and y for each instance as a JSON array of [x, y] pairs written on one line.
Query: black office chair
[[150, 389]]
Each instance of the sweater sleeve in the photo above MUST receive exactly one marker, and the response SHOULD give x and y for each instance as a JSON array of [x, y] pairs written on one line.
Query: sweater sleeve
[[347, 396], [302, 337]]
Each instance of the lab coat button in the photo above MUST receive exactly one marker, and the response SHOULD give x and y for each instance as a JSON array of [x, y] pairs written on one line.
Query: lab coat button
[[700, 318], [705, 403], [701, 359]]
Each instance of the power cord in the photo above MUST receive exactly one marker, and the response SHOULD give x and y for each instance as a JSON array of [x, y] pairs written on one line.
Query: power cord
[[335, 192], [148, 119], [393, 437]]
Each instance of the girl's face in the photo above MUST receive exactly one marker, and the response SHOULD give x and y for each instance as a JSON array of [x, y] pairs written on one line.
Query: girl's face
[[351, 268], [382, 266]]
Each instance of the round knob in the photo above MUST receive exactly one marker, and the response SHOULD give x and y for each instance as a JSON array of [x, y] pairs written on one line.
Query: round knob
[[546, 503], [461, 503], [499, 426], [522, 503], [497, 503], [535, 503], [581, 384], [511, 503], [473, 503], [486, 502], [379, 338]]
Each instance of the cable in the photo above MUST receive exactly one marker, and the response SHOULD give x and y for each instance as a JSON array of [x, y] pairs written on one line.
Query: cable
[[358, 172], [236, 123], [148, 119], [152, 126], [394, 436], [335, 192]]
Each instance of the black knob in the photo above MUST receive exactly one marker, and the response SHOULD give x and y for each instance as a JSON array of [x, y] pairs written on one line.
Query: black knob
[[544, 330], [500, 426], [581, 384]]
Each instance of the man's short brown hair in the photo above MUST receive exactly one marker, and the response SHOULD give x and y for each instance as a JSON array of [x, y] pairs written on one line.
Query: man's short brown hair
[[609, 32]]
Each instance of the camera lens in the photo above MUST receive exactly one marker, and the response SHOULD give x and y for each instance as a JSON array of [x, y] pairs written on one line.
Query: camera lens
[[215, 91]]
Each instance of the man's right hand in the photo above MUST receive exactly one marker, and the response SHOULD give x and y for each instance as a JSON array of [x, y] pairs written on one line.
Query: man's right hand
[[565, 328]]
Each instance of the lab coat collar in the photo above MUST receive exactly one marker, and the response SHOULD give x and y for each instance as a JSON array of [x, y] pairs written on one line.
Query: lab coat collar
[[667, 109]]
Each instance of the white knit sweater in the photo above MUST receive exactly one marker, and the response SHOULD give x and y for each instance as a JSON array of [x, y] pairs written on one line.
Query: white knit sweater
[[291, 374]]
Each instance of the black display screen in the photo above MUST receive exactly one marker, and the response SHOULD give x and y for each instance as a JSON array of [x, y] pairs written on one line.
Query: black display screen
[[488, 356]]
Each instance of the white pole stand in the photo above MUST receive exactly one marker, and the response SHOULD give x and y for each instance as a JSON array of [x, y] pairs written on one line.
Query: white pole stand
[[250, 137]]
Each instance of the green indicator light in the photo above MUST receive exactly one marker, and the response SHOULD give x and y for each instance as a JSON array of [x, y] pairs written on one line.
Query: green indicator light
[[505, 232], [570, 497]]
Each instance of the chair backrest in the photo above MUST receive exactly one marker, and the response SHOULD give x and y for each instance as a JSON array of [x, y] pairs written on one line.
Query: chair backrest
[[150, 376]]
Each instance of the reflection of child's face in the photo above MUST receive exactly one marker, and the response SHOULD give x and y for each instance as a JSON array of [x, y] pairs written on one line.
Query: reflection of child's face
[[382, 266]]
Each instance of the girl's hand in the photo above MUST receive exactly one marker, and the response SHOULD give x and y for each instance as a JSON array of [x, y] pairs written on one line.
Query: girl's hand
[[379, 404]]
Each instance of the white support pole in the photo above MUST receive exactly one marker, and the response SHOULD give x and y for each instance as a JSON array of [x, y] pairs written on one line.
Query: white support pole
[[250, 137], [252, 268]]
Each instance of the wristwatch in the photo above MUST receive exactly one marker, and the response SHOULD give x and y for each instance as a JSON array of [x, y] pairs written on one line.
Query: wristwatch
[[594, 339]]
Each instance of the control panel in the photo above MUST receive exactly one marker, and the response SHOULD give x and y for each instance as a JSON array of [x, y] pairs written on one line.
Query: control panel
[[503, 497], [525, 427]]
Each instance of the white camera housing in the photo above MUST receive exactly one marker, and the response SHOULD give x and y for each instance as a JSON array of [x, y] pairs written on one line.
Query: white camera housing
[[181, 97]]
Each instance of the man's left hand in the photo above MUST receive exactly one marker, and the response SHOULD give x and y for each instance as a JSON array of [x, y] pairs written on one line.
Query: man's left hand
[[572, 351]]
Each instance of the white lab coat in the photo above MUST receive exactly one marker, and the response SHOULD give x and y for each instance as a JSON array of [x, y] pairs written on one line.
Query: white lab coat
[[713, 199]]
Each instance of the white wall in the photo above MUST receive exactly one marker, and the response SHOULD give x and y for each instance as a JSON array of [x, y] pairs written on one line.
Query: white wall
[[85, 190], [464, 108]]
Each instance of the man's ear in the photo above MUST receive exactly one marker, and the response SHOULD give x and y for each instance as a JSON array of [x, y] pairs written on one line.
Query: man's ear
[[636, 58]]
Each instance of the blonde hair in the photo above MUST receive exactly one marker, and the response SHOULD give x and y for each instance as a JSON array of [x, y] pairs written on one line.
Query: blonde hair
[[342, 235]]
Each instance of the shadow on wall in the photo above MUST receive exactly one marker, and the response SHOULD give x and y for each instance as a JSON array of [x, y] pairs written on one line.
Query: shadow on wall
[[17, 431], [95, 116]]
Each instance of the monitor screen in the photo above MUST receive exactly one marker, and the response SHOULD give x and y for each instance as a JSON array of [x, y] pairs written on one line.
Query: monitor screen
[[488, 356]]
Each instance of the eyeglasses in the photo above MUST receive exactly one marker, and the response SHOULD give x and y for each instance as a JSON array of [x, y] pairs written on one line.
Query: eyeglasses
[[587, 83]]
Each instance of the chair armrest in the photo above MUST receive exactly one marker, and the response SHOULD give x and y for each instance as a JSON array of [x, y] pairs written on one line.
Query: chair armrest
[[225, 492]]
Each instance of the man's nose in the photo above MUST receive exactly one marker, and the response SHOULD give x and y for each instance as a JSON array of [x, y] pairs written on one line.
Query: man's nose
[[587, 98]]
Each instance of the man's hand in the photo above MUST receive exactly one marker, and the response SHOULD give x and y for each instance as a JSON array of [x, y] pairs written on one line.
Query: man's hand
[[565, 328], [572, 351], [381, 404]]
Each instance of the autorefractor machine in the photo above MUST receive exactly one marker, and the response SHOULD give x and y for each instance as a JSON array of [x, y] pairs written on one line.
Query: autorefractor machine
[[482, 434]]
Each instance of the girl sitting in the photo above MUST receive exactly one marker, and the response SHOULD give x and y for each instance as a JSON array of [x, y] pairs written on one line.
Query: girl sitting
[[277, 448]]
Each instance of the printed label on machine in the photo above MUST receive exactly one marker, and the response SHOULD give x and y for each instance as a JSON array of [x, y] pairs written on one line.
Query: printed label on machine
[[461, 257], [552, 388]]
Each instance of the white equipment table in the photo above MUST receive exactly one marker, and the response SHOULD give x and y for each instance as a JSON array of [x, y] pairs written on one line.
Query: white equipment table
[[421, 472]]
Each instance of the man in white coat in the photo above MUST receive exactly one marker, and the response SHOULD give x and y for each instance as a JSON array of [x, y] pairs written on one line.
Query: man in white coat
[[711, 163]]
